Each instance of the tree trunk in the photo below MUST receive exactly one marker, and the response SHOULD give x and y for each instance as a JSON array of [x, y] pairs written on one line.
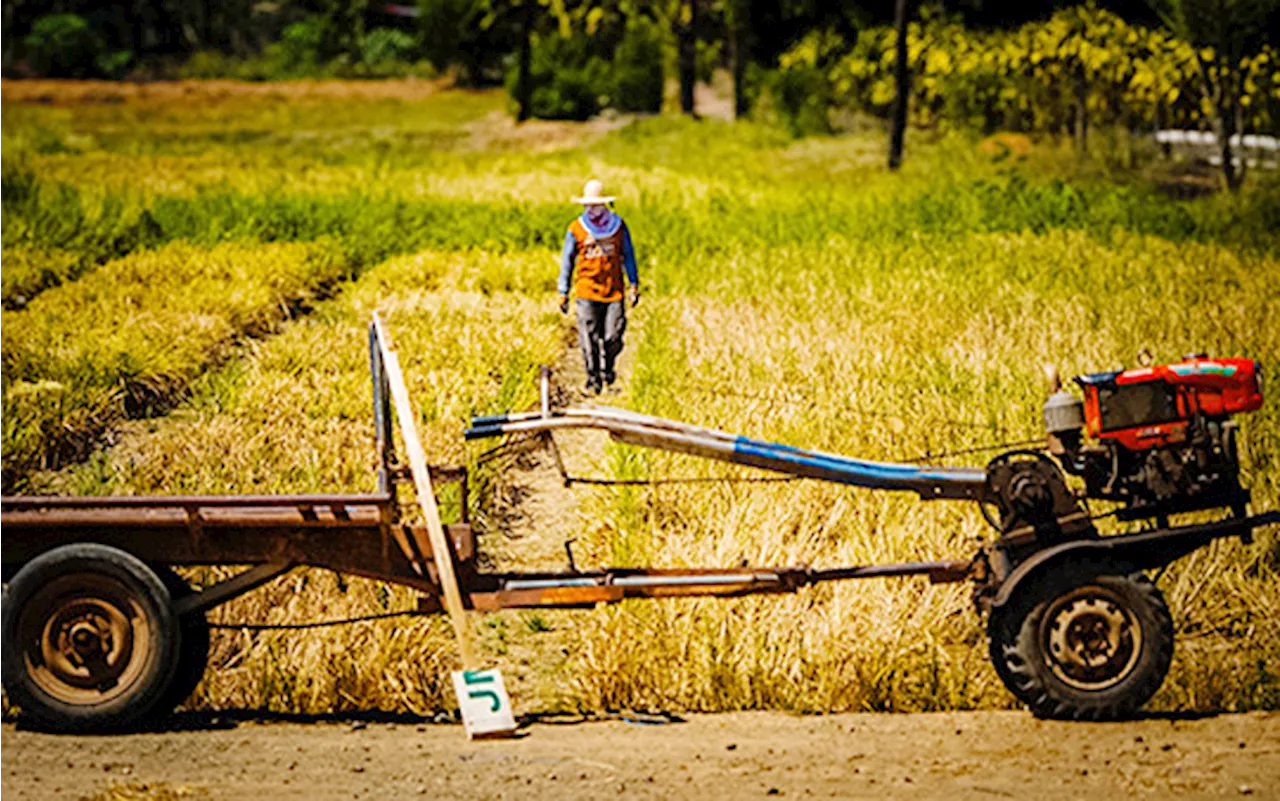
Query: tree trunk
[[8, 14], [1082, 111], [1224, 127], [738, 55], [1166, 148], [902, 87], [686, 42], [1224, 101], [524, 80]]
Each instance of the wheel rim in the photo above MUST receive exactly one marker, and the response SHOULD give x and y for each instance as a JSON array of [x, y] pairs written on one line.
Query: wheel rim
[[86, 639], [1091, 638]]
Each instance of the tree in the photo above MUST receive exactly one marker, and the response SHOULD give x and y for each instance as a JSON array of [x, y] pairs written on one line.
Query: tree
[[737, 14], [524, 78], [1224, 32], [686, 31], [902, 87], [471, 36]]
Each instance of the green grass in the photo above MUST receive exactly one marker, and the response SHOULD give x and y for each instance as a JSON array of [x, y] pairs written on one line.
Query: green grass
[[371, 226], [126, 340], [294, 416], [29, 272], [893, 352], [796, 291]]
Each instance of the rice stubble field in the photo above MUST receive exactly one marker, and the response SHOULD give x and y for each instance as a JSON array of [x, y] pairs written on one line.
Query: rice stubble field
[[188, 272]]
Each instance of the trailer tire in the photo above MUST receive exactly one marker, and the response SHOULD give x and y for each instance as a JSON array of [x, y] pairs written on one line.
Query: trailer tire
[[1089, 645], [90, 642], [193, 653]]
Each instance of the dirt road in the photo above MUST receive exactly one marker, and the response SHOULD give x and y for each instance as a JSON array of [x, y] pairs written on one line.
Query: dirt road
[[946, 755]]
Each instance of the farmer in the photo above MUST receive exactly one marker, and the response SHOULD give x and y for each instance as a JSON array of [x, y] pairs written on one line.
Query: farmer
[[598, 244]]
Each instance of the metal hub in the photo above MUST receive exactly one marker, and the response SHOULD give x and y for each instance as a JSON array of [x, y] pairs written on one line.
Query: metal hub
[[1091, 638], [85, 639]]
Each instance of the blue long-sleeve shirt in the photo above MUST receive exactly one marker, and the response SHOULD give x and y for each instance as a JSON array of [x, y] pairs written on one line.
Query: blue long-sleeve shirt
[[570, 251]]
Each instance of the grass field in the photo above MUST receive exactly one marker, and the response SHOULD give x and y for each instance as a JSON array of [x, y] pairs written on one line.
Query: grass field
[[188, 270]]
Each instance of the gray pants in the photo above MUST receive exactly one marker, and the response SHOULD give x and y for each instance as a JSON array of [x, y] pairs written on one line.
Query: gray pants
[[600, 328]]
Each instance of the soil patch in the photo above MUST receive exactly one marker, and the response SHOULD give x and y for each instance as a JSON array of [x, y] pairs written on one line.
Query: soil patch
[[957, 755]]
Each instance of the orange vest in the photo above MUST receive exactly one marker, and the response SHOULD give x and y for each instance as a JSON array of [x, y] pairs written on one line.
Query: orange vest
[[598, 263]]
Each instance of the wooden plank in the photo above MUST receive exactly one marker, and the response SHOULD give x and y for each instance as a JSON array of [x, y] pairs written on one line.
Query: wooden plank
[[441, 553]]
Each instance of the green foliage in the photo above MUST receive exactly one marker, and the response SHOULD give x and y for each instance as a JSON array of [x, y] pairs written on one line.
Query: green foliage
[[460, 35], [596, 57], [637, 68], [1030, 79], [569, 82], [65, 46], [383, 46], [301, 53], [59, 219], [207, 65], [300, 43], [802, 98], [295, 55]]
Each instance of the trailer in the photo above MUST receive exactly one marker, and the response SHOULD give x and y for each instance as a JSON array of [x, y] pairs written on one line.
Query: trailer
[[101, 633]]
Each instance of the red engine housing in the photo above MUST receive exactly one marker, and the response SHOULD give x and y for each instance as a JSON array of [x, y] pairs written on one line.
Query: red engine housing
[[1151, 407]]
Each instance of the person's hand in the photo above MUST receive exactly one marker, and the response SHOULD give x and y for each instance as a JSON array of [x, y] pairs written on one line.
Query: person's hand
[[635, 295], [564, 304]]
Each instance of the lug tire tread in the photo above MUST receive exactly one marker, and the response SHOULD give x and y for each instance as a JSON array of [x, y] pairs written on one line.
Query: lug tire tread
[[1032, 682]]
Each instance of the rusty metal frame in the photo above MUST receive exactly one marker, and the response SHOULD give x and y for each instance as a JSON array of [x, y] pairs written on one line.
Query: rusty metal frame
[[587, 588], [362, 534], [233, 587]]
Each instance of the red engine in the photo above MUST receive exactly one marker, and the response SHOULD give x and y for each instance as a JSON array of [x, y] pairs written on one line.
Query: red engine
[[1160, 439]]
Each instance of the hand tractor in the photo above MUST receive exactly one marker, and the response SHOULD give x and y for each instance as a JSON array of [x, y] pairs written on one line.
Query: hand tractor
[[100, 632]]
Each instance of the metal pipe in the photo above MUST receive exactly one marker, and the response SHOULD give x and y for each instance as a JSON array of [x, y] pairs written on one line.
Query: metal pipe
[[130, 501], [671, 435], [546, 391], [484, 422], [695, 581], [379, 427], [545, 584], [947, 568], [567, 590]]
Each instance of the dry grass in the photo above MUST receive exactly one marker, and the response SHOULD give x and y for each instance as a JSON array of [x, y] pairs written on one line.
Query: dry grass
[[189, 92], [788, 300], [128, 338], [294, 417], [27, 272], [896, 366]]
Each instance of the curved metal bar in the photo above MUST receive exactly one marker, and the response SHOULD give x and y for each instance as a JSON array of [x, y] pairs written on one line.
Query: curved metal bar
[[655, 432]]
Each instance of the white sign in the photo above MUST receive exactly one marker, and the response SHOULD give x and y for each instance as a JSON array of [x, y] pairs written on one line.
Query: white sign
[[482, 697]]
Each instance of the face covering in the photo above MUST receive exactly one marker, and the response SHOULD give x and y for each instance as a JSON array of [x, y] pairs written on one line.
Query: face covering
[[598, 215]]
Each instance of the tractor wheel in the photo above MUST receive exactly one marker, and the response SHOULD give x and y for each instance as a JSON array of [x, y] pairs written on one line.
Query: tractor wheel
[[1002, 634], [1087, 645], [89, 639], [193, 657]]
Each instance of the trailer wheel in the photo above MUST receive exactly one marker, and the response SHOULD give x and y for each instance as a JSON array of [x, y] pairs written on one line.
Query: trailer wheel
[[90, 641], [1088, 645], [193, 654]]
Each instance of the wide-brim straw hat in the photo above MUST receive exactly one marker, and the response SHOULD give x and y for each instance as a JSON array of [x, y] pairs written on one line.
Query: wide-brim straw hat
[[591, 194]]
